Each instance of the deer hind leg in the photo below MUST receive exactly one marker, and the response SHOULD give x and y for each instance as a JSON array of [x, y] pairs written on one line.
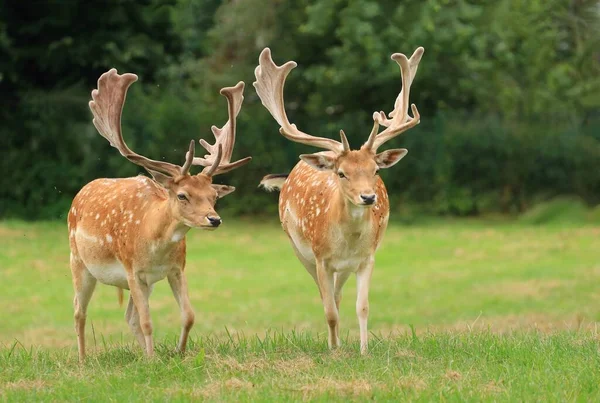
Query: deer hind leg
[[363, 281], [84, 284], [178, 284], [310, 265], [339, 281], [140, 293], [133, 320], [326, 286], [311, 268]]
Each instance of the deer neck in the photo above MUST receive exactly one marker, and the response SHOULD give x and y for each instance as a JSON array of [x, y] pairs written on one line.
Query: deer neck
[[164, 226], [349, 214]]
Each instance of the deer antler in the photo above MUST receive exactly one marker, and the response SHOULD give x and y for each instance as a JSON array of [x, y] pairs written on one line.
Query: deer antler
[[399, 120], [270, 80], [107, 107], [217, 161]]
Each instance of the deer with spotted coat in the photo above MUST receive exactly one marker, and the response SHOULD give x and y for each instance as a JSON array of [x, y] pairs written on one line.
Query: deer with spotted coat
[[333, 205], [130, 232]]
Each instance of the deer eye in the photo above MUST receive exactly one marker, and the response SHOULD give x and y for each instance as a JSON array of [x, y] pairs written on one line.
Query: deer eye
[[377, 172], [181, 196], [341, 175]]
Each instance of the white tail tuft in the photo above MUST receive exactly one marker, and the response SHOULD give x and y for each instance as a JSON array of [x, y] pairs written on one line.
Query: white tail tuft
[[273, 182]]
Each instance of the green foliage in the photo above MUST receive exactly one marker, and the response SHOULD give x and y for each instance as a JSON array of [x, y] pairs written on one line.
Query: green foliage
[[558, 210], [594, 214], [50, 57], [509, 93]]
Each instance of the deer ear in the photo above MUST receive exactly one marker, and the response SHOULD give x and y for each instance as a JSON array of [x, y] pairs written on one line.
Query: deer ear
[[320, 162], [160, 178], [390, 158], [223, 190]]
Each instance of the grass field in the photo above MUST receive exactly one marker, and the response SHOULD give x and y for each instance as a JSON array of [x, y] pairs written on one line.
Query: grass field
[[460, 310]]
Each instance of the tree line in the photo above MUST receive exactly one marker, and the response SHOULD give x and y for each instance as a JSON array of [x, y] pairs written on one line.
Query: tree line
[[508, 91]]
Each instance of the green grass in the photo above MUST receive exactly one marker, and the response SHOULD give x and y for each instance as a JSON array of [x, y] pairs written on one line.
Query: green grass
[[460, 310]]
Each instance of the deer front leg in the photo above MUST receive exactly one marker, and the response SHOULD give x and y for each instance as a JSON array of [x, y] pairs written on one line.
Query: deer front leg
[[140, 292], [178, 284], [363, 281], [326, 286]]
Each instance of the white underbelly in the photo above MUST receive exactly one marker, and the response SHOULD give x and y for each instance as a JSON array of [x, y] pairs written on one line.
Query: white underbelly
[[347, 263], [302, 245], [341, 262], [114, 274], [110, 274], [348, 255], [156, 274]]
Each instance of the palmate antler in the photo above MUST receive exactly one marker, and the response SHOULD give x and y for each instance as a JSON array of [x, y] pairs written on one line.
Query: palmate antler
[[217, 161], [107, 107], [270, 80], [399, 120]]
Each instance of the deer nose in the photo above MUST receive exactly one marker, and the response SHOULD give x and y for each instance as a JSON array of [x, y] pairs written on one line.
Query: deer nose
[[214, 221], [368, 199]]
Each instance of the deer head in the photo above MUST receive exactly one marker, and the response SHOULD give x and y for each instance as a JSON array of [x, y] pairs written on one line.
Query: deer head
[[355, 170], [192, 198]]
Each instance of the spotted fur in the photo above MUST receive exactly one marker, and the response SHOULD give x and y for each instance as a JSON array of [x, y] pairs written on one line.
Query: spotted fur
[[333, 205], [130, 233]]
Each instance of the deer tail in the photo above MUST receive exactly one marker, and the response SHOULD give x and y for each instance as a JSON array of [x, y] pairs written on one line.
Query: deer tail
[[120, 296]]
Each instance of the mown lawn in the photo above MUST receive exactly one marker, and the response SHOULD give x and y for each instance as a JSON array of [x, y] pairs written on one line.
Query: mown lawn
[[460, 310]]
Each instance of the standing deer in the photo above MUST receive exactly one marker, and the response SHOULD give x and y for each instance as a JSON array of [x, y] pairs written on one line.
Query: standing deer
[[130, 232], [333, 205]]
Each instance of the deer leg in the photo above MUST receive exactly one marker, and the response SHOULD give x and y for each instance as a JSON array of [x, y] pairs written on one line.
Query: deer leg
[[84, 284], [309, 265], [363, 281], [140, 292], [338, 282], [133, 320], [311, 268], [326, 286], [178, 284]]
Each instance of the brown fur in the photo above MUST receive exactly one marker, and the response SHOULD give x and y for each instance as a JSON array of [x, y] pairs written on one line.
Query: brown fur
[[114, 214], [130, 233], [333, 205], [333, 233], [308, 191], [134, 223]]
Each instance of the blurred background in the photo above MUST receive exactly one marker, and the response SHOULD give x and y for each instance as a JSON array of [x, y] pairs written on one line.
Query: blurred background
[[508, 91], [509, 97]]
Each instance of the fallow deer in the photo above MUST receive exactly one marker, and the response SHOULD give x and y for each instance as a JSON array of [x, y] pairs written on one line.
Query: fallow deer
[[130, 232], [333, 205]]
